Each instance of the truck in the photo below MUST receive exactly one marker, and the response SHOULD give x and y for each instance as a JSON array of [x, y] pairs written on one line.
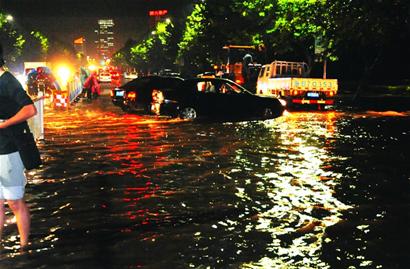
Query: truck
[[241, 65], [290, 81]]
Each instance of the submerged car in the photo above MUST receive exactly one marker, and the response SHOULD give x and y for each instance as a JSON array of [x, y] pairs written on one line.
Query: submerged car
[[137, 94], [215, 98]]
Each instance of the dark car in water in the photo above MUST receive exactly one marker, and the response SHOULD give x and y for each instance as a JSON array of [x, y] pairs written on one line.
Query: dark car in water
[[137, 94], [213, 98]]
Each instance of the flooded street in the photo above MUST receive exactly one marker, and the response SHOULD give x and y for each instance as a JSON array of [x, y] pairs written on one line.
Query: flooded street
[[307, 190]]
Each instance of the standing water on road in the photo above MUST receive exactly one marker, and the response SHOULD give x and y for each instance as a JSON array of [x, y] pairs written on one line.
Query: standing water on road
[[309, 189]]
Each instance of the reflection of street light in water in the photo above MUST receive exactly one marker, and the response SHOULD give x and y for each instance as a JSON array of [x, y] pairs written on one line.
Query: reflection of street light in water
[[299, 181]]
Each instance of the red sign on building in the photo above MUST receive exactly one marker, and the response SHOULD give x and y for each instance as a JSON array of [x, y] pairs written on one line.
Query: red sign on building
[[158, 13]]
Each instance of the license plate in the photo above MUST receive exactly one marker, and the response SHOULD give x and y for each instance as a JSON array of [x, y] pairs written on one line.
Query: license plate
[[313, 94], [119, 93]]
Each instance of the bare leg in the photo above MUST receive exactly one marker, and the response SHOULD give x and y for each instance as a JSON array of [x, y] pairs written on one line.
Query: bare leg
[[2, 217], [22, 214]]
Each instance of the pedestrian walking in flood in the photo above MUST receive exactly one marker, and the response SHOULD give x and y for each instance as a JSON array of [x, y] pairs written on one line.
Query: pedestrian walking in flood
[[91, 86], [15, 108]]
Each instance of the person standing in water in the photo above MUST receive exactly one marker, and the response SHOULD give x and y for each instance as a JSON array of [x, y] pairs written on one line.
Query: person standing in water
[[15, 108]]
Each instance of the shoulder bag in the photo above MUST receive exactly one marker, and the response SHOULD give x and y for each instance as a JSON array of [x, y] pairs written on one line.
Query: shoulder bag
[[27, 148]]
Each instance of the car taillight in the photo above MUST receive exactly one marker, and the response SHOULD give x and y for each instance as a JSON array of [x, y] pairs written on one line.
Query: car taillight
[[239, 81], [132, 95]]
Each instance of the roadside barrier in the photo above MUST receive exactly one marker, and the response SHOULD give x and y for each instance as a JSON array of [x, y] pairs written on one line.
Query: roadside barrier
[[63, 98], [36, 123]]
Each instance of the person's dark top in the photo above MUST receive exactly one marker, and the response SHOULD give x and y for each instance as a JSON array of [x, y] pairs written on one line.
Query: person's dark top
[[12, 99]]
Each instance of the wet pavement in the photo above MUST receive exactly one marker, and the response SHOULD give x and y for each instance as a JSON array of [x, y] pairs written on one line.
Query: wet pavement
[[316, 189]]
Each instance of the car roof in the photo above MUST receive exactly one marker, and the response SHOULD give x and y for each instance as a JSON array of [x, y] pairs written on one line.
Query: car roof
[[208, 79], [218, 80], [159, 81]]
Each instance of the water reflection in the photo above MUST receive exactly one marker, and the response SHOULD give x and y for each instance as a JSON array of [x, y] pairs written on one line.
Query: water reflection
[[121, 190], [299, 181]]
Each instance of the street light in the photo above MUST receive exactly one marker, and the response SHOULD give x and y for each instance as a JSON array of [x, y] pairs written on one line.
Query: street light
[[9, 18]]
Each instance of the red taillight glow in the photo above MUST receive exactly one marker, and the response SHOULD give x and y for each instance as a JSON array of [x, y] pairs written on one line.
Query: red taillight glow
[[131, 95], [239, 81]]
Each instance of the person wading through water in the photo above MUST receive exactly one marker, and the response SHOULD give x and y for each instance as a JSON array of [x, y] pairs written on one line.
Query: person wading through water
[[15, 108]]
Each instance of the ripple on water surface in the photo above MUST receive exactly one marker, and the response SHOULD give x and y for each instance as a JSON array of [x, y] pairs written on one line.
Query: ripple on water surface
[[122, 190]]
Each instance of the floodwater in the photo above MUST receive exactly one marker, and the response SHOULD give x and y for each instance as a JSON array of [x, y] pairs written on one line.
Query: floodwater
[[327, 189]]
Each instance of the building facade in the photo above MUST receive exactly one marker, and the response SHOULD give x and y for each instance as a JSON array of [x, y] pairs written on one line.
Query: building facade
[[105, 39]]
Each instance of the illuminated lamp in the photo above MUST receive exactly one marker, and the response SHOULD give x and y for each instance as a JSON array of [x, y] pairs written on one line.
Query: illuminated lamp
[[239, 81], [132, 95]]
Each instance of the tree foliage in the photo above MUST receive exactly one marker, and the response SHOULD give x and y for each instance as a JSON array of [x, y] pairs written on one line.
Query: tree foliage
[[12, 41], [371, 37], [155, 52]]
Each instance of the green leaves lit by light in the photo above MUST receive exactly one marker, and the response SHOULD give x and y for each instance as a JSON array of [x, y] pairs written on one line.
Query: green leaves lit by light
[[257, 39], [158, 40], [194, 26], [259, 7], [3, 20], [162, 32], [139, 53], [44, 43], [298, 17], [18, 45], [11, 37]]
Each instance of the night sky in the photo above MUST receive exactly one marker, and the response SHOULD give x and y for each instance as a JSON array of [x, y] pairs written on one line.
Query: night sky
[[66, 20]]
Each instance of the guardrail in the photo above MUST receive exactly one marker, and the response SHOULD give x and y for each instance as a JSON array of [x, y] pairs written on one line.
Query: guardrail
[[69, 94], [36, 123], [61, 98], [75, 88]]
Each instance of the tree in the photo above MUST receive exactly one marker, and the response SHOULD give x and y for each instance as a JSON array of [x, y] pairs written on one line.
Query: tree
[[368, 35], [11, 40], [154, 52], [289, 28]]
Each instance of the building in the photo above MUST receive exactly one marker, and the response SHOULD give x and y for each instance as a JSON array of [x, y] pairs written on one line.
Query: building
[[79, 45], [105, 39]]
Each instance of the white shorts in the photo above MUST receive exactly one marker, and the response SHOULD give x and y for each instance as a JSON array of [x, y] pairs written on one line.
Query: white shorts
[[12, 177]]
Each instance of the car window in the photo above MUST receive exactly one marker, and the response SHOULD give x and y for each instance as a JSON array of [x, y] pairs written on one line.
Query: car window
[[206, 86], [227, 88]]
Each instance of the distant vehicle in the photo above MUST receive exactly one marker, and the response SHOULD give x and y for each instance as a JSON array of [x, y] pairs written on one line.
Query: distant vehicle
[[287, 80], [213, 98], [131, 75], [136, 95], [41, 81], [115, 75], [32, 66], [168, 73], [242, 64], [117, 97], [104, 77]]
